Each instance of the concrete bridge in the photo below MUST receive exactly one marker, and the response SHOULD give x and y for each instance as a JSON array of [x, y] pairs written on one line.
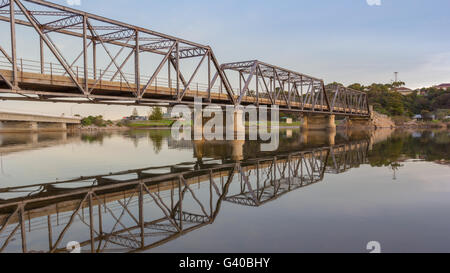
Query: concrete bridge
[[22, 122], [169, 80]]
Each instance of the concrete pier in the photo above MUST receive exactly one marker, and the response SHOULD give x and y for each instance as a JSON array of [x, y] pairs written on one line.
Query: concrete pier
[[318, 122], [238, 127]]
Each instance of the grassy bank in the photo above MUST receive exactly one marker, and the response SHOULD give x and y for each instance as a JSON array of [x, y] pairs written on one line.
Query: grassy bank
[[150, 124]]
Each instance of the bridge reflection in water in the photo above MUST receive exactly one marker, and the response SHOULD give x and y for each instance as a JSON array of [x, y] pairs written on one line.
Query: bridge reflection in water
[[142, 209]]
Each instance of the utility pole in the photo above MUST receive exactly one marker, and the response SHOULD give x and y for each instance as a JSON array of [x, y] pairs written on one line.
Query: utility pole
[[396, 76]]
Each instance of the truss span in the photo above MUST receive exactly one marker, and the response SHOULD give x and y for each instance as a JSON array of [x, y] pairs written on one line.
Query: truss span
[[119, 63]]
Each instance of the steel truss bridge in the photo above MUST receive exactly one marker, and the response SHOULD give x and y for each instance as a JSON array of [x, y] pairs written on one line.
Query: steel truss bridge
[[128, 65], [138, 210]]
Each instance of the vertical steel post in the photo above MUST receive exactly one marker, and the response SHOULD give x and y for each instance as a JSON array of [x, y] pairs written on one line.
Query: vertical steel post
[[94, 58], [137, 69], [169, 78], [209, 75], [41, 45], [257, 87], [13, 41], [85, 55], [178, 69], [240, 82]]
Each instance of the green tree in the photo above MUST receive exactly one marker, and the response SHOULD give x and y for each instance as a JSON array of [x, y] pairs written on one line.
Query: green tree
[[157, 113], [357, 86]]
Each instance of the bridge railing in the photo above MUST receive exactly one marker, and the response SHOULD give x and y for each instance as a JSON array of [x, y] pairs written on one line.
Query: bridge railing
[[56, 69]]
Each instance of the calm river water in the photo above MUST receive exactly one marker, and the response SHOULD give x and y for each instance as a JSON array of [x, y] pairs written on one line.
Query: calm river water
[[146, 192]]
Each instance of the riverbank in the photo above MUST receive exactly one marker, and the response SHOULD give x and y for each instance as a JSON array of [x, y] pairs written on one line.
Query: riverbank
[[100, 128], [424, 125]]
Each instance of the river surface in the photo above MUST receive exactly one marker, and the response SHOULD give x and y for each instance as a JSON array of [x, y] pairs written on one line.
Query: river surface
[[144, 191]]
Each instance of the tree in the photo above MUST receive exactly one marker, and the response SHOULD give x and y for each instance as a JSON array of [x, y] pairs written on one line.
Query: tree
[[357, 86], [157, 113], [135, 113], [398, 84], [91, 120]]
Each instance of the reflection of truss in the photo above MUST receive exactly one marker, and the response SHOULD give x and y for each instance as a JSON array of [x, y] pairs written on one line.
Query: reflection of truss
[[142, 209], [280, 176], [345, 157]]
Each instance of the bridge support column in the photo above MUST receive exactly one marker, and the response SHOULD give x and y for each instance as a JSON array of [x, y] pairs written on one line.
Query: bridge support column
[[318, 122], [238, 127], [239, 122]]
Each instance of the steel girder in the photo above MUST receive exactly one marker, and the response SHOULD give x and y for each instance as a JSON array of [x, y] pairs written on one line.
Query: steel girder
[[348, 100], [294, 89], [277, 84]]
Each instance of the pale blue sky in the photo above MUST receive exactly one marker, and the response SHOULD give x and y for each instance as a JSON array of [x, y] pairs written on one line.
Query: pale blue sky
[[337, 40]]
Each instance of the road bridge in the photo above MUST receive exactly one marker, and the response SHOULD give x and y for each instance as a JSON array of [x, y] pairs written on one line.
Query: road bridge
[[164, 69], [23, 122]]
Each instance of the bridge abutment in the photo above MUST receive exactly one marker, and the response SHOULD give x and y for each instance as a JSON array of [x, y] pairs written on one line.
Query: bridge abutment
[[359, 123]]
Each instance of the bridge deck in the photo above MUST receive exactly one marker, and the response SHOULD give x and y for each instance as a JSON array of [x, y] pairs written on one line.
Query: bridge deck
[[63, 86], [11, 116]]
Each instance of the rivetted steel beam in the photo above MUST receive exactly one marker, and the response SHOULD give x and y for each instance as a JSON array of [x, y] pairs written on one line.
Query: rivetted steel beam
[[191, 52], [70, 21]]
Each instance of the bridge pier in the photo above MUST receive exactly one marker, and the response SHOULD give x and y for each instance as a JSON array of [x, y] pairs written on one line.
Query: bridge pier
[[318, 122], [238, 128]]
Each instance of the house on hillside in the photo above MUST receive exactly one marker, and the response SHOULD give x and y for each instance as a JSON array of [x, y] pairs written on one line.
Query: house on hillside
[[443, 86], [424, 118], [404, 91]]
